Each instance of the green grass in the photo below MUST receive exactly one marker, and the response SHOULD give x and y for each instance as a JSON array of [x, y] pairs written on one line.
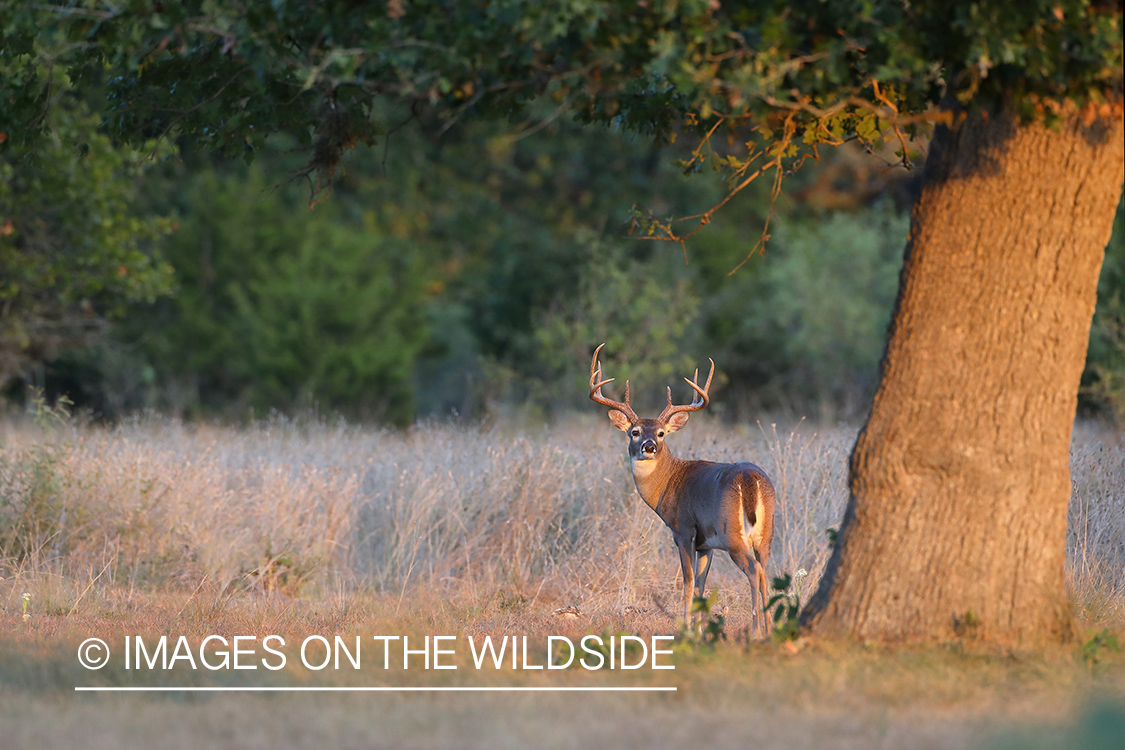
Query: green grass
[[816, 694]]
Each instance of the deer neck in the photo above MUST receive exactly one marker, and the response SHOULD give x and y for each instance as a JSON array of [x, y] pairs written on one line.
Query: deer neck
[[653, 476]]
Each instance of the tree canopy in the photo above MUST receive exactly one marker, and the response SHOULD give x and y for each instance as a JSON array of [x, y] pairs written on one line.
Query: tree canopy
[[780, 78], [753, 89]]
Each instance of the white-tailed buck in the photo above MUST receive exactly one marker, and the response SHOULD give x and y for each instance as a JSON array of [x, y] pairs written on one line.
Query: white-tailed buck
[[708, 506]]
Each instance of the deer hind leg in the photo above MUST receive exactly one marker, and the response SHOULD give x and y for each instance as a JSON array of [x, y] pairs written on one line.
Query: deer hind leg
[[760, 547], [763, 588], [702, 568], [757, 508], [754, 571]]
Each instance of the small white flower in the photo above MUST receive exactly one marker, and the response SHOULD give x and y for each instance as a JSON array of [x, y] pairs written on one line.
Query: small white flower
[[801, 573]]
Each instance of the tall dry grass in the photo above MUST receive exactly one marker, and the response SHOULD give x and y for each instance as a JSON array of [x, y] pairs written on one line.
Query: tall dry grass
[[485, 514], [1096, 525]]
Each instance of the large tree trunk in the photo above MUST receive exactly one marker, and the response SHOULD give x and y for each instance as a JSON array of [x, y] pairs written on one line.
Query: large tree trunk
[[960, 480]]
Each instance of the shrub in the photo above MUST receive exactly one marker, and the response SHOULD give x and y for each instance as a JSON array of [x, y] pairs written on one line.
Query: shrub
[[279, 307], [808, 327]]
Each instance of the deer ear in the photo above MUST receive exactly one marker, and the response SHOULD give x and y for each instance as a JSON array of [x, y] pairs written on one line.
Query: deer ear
[[620, 421], [676, 421]]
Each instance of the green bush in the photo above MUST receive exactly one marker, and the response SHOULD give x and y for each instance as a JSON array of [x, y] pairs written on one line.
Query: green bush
[[281, 307], [807, 328], [646, 313], [1103, 390]]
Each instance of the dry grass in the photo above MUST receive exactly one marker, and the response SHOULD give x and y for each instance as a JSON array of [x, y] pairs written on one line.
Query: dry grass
[[549, 517], [546, 518], [160, 527], [1096, 537]]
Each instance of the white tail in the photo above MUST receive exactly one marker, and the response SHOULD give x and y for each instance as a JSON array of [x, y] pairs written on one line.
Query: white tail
[[708, 506]]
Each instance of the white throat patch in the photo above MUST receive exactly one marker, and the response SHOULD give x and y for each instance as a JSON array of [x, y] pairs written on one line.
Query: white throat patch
[[642, 469]]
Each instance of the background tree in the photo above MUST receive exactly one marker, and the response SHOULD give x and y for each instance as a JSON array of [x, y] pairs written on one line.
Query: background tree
[[278, 305], [971, 421], [1104, 379], [73, 249]]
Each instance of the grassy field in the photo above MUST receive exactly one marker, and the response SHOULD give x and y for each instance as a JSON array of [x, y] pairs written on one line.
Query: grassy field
[[301, 528]]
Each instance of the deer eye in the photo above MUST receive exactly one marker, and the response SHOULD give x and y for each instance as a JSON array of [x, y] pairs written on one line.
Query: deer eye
[[636, 432], [660, 433]]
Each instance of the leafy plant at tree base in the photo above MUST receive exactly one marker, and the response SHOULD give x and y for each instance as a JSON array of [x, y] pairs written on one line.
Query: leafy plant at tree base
[[1096, 644], [784, 606]]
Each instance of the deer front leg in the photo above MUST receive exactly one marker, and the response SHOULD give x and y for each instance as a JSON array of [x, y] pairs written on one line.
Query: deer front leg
[[687, 566]]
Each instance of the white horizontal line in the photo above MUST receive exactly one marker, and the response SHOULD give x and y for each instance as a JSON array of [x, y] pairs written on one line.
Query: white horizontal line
[[408, 689]]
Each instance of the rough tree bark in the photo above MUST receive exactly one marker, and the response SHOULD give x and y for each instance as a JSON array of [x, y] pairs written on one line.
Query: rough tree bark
[[960, 479]]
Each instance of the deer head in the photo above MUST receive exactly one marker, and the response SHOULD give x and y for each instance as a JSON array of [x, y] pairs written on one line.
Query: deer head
[[646, 436]]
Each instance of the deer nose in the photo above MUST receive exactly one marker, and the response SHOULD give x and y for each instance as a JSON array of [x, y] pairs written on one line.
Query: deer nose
[[648, 446]]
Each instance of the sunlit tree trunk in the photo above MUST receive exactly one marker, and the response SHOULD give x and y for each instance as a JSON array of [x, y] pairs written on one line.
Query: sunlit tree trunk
[[960, 479]]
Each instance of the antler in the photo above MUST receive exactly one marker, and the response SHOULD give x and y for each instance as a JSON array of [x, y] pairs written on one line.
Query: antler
[[698, 401], [596, 389]]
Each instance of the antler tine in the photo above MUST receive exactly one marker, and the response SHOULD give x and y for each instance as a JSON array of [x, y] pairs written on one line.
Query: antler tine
[[699, 400], [596, 384], [596, 372], [595, 366], [694, 382]]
